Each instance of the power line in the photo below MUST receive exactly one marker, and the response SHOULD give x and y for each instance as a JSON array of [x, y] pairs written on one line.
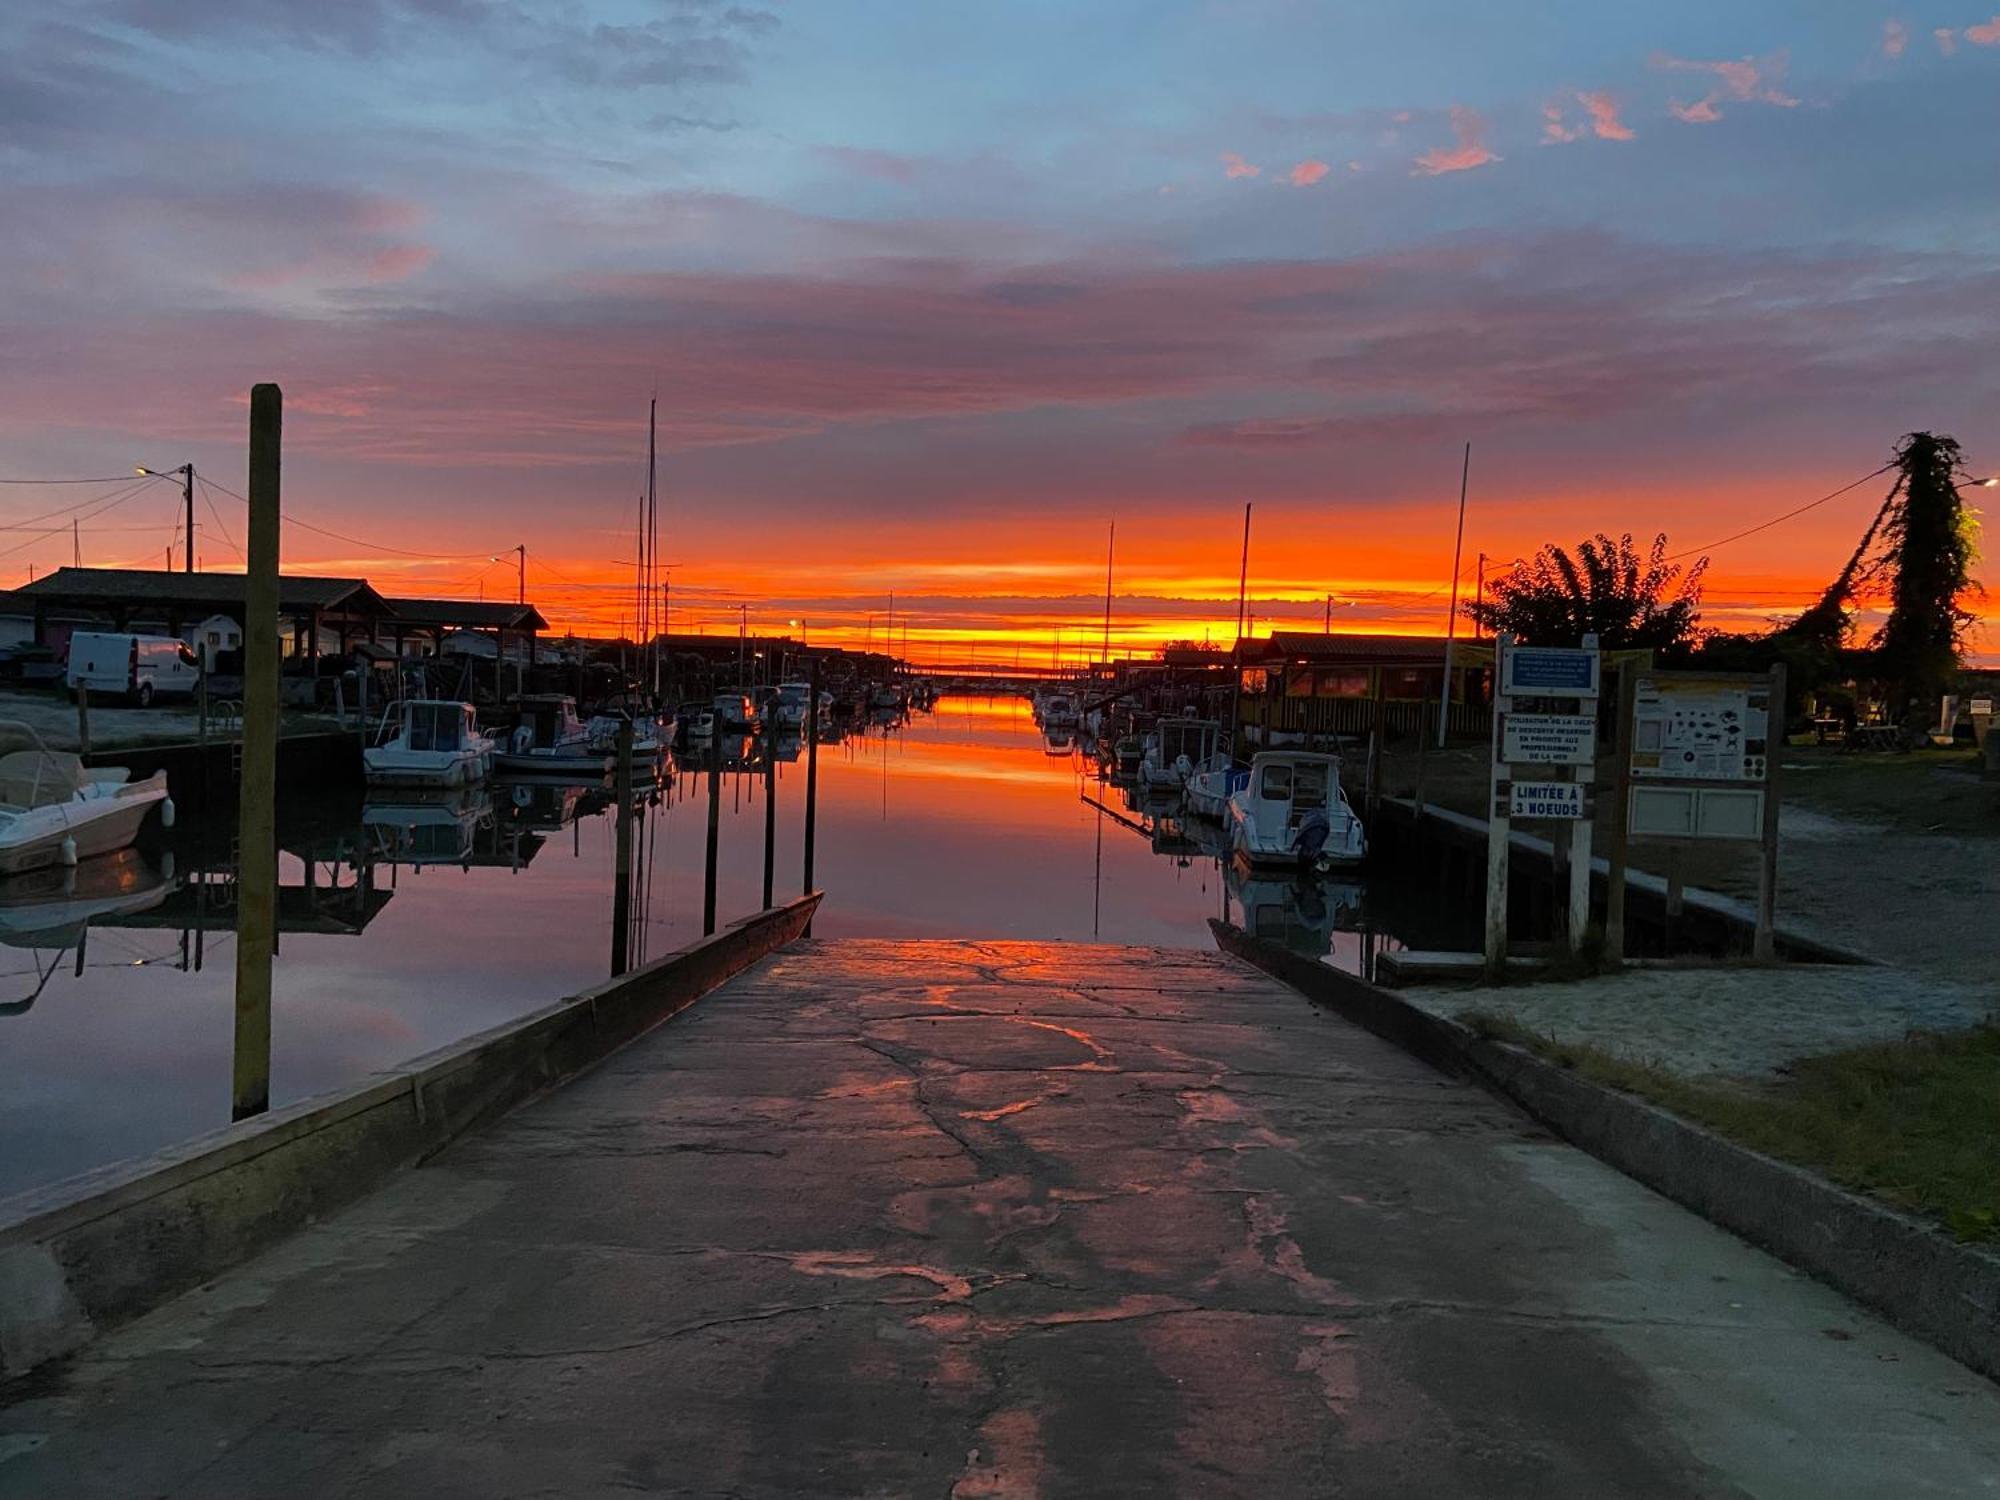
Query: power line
[[110, 503], [124, 486], [355, 541], [1795, 511]]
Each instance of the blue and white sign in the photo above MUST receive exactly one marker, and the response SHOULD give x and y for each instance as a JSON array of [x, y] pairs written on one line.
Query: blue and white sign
[[1549, 671], [1560, 800]]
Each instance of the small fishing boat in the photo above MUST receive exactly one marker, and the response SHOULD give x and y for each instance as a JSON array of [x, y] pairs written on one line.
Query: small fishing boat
[[734, 712], [794, 702], [54, 810], [552, 741], [1176, 749], [1210, 787], [1291, 811], [1059, 712], [427, 742]]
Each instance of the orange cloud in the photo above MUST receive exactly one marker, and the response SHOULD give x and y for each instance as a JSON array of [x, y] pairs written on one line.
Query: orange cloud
[[1306, 173], [1895, 37], [1985, 35], [1235, 166], [1470, 150], [1701, 112]]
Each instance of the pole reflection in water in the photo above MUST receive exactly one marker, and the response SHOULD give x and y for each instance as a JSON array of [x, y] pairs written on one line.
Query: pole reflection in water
[[410, 921]]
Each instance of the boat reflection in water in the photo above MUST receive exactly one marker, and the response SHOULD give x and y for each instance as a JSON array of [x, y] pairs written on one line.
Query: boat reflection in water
[[51, 910]]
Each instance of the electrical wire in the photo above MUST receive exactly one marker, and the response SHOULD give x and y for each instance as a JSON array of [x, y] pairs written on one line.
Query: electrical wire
[[355, 541], [110, 503], [215, 514], [125, 485], [114, 479], [1795, 511]]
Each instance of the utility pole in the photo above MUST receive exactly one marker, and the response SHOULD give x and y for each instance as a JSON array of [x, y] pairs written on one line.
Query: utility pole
[[1451, 622], [75, 543], [257, 868], [521, 584], [1478, 601], [187, 500]]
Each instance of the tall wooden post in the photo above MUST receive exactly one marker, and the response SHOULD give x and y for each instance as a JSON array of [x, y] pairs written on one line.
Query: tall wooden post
[[621, 874], [1577, 845], [812, 783], [1764, 946], [1498, 821], [257, 831], [1618, 844], [770, 815]]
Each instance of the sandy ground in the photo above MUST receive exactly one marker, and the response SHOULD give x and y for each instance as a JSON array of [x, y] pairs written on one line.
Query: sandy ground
[[1897, 857]]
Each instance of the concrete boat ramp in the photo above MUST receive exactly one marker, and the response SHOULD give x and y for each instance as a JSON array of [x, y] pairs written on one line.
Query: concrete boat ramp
[[1006, 1220]]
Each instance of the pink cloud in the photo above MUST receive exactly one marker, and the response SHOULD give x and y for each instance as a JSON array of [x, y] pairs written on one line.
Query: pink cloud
[[1469, 131], [1895, 37], [1986, 34], [1306, 173], [382, 267], [1235, 166], [1603, 112], [1947, 40], [1747, 80]]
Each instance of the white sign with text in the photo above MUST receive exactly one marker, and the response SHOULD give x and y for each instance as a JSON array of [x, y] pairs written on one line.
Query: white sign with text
[[1549, 739], [1559, 800]]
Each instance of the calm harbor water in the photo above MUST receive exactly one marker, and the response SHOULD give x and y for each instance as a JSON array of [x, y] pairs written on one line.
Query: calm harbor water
[[407, 925]]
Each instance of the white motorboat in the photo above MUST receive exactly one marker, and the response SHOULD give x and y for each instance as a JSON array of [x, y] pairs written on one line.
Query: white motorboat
[[1059, 712], [1175, 750], [54, 810], [1211, 786], [793, 704], [1291, 811], [551, 741], [734, 712], [427, 742]]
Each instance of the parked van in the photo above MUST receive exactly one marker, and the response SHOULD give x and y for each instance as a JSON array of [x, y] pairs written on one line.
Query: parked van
[[142, 667]]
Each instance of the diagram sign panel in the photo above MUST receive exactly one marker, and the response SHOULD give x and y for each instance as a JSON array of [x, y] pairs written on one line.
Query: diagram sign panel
[[1549, 671], [1560, 800], [1549, 739], [1702, 730]]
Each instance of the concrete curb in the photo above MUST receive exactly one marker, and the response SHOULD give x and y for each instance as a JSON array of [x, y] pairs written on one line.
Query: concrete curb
[[1915, 1275], [81, 1256]]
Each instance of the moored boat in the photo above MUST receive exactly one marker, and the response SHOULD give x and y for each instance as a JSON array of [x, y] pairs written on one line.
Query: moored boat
[[54, 810], [1291, 811], [427, 742], [551, 741]]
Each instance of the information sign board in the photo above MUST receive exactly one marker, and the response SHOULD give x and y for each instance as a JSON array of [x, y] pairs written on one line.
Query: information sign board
[[1559, 800], [1549, 671], [1549, 739]]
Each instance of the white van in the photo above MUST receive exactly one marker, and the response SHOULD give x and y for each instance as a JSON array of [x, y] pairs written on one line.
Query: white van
[[142, 667]]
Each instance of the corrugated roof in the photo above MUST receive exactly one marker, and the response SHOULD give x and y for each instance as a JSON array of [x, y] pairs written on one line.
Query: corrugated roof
[[202, 590], [471, 614]]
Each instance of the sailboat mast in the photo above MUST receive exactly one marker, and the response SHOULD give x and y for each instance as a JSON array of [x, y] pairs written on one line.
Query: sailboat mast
[[1236, 656], [1110, 549], [651, 543]]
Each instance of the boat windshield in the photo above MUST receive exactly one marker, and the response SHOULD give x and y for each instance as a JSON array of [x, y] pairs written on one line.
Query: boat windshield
[[1277, 783], [436, 726], [1309, 783]]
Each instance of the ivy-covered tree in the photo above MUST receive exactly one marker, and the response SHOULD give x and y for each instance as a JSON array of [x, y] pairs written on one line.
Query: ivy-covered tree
[[1629, 601]]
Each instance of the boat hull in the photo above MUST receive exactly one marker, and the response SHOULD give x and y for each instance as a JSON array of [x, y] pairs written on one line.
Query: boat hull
[[420, 768], [98, 825]]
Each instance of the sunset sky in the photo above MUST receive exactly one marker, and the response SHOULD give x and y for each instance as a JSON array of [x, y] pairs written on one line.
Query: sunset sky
[[930, 292]]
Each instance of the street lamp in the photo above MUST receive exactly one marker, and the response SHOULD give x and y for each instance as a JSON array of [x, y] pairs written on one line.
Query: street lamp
[[186, 471]]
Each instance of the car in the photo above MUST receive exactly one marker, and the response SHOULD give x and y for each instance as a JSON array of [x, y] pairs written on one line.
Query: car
[[30, 665]]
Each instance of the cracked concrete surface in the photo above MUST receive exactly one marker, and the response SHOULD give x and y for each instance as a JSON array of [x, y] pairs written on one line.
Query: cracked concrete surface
[[1008, 1220]]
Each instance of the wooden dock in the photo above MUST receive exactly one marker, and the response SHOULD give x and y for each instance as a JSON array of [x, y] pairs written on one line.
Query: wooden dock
[[1006, 1220]]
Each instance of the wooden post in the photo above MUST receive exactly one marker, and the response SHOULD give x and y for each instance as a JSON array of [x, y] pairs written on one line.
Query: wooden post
[[257, 836], [82, 719], [714, 833], [1374, 794], [812, 784], [621, 874], [1618, 844], [1498, 822], [1577, 847], [1764, 946], [1423, 750], [770, 815]]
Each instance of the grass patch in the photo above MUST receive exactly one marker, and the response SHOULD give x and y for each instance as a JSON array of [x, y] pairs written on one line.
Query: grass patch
[[1916, 1122]]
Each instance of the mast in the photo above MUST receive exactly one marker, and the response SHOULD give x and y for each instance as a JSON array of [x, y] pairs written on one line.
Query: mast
[[650, 544], [1110, 548], [1236, 655]]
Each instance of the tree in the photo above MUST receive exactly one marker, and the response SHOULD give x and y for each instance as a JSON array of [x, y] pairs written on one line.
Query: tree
[[1555, 598], [1921, 543]]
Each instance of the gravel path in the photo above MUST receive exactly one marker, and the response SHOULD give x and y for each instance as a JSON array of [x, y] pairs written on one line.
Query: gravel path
[[1740, 1022]]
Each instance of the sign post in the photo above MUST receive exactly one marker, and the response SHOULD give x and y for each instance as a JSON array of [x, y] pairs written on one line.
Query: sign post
[[1555, 747]]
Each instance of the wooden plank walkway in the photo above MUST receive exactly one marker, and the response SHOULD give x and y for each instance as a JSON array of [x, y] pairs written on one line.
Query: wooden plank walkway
[[1007, 1220]]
